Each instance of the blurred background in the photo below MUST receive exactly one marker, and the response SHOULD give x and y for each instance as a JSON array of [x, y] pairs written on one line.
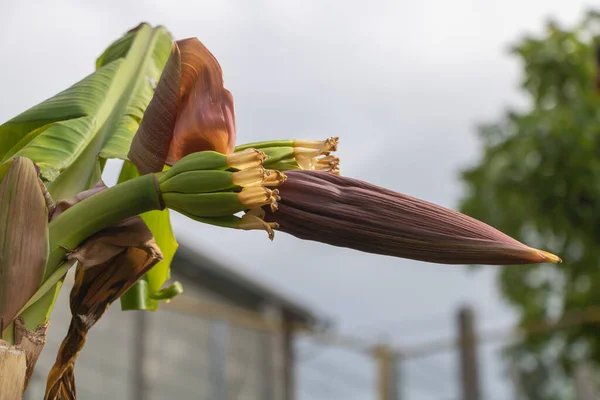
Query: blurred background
[[486, 107]]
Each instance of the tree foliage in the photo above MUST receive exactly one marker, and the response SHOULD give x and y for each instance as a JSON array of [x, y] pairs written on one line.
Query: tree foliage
[[539, 180]]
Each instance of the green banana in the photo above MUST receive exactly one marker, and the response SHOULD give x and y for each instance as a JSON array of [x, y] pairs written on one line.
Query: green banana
[[251, 220], [322, 146], [219, 181], [285, 165], [200, 205], [266, 144], [198, 182], [298, 154], [212, 160], [276, 154]]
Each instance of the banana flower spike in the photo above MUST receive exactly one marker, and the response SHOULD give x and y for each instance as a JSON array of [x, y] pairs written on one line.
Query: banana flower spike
[[347, 212]]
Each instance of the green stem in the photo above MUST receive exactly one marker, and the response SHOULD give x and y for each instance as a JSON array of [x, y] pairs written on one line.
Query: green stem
[[82, 220], [100, 211]]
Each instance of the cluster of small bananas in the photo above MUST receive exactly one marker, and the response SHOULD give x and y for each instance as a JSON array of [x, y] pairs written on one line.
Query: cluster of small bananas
[[212, 187], [312, 155]]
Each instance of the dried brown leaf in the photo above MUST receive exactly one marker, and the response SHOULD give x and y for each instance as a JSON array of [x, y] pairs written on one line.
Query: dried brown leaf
[[23, 237]]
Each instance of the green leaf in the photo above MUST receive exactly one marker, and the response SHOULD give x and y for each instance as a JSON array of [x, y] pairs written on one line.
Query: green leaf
[[58, 145], [143, 295], [159, 223], [70, 133]]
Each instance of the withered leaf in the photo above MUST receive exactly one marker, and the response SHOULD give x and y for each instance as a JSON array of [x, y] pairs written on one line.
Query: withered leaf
[[23, 237]]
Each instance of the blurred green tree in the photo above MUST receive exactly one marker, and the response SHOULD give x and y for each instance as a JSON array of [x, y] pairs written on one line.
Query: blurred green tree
[[539, 180]]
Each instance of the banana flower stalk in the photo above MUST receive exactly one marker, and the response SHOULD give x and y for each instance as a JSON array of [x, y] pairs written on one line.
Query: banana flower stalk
[[290, 185]]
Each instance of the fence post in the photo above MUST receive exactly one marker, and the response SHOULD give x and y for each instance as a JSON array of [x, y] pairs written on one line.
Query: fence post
[[288, 358], [515, 377], [584, 382], [272, 354], [218, 343], [469, 373], [387, 385]]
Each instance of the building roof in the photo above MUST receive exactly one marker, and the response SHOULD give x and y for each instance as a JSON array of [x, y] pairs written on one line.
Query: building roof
[[236, 287]]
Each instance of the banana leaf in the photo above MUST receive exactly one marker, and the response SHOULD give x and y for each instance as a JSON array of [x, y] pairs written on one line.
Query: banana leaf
[[72, 134], [69, 135]]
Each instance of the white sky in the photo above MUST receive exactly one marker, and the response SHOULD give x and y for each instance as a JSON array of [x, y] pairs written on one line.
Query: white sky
[[401, 82]]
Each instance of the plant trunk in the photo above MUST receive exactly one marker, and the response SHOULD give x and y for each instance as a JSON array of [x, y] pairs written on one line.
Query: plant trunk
[[13, 370]]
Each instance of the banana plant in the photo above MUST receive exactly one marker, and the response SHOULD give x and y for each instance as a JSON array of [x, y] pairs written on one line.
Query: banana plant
[[68, 138], [161, 106]]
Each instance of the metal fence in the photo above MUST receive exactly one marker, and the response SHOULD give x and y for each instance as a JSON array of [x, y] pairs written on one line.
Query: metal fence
[[193, 349], [169, 354]]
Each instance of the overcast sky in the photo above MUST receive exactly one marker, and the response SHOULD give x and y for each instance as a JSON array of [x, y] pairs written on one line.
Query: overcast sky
[[402, 83]]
